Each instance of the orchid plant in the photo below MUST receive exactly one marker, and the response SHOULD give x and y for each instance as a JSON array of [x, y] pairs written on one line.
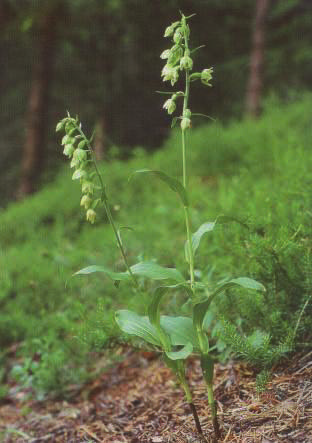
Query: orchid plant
[[176, 337]]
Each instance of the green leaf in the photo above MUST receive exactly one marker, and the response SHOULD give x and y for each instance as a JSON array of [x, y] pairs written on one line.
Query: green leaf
[[207, 227], [154, 316], [180, 330], [196, 238], [173, 183], [182, 354], [200, 309], [134, 324], [95, 268], [248, 283], [156, 272]]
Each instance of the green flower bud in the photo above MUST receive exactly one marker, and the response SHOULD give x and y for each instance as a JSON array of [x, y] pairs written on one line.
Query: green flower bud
[[86, 201], [80, 154], [91, 215], [82, 144], [68, 150], [165, 54], [187, 113], [170, 29], [79, 173], [170, 74], [67, 140], [186, 63], [206, 76], [170, 105], [87, 187], [185, 123], [178, 36], [60, 125], [175, 55]]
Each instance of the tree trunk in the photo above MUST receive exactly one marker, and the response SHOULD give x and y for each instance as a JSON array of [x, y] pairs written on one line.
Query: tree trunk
[[38, 104], [255, 81], [100, 137]]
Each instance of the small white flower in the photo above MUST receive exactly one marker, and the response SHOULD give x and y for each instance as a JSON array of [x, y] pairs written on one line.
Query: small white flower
[[170, 105], [165, 54], [170, 74], [85, 201], [91, 216]]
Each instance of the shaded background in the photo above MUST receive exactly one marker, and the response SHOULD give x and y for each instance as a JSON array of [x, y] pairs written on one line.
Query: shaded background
[[100, 59]]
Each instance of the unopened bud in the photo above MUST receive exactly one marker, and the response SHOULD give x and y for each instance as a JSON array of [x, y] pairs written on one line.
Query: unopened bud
[[170, 29], [87, 187], [81, 154], [185, 123], [206, 76], [186, 62], [178, 36], [68, 150]]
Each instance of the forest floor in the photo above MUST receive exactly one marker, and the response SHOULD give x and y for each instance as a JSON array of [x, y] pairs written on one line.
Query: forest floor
[[138, 400]]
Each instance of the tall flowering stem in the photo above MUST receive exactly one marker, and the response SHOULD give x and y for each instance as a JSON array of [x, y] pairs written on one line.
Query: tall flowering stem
[[179, 59], [79, 148]]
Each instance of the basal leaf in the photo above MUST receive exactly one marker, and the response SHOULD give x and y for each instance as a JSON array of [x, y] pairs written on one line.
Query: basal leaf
[[134, 324], [180, 330], [173, 183]]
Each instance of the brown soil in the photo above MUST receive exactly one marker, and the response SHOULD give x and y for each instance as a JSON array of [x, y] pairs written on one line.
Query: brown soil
[[139, 401]]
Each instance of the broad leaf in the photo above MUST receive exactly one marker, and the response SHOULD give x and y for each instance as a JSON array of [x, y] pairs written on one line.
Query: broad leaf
[[173, 183], [134, 324], [156, 272], [182, 354], [180, 330], [95, 268]]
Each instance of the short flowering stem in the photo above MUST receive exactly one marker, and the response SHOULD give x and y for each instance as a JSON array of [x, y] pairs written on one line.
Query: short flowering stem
[[107, 208]]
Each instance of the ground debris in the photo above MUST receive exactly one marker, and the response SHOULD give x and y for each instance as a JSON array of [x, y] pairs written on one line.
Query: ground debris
[[138, 401]]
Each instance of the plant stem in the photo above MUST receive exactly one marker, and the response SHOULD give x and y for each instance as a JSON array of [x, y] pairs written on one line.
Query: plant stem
[[186, 208], [213, 408], [189, 399], [107, 208]]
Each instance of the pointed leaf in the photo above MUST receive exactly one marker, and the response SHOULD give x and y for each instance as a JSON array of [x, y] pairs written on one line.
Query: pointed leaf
[[134, 324], [248, 283], [95, 268], [196, 238], [207, 227], [200, 309], [156, 272], [173, 183], [182, 354]]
